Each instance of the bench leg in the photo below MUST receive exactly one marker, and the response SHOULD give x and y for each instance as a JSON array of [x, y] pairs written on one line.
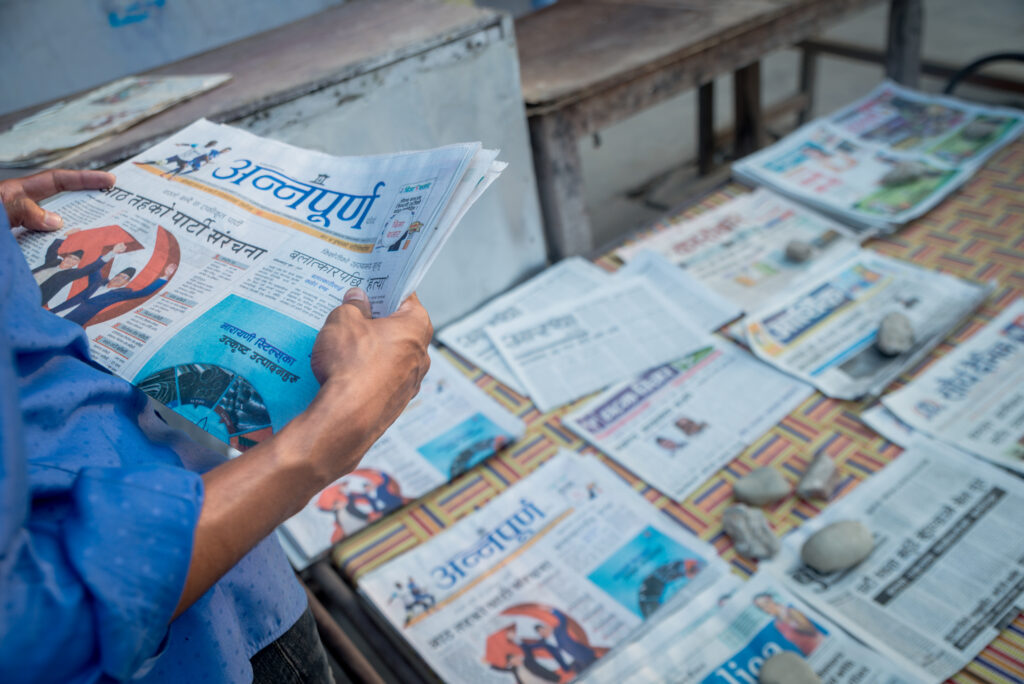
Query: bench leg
[[808, 73], [903, 58], [706, 128], [556, 159], [746, 84]]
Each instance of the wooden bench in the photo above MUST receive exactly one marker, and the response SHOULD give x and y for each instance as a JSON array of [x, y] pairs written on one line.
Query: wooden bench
[[586, 64]]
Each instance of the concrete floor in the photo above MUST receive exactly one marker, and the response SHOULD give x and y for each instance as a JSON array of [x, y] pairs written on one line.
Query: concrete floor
[[634, 168]]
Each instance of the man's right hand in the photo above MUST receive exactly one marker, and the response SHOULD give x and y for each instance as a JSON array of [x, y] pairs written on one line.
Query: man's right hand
[[369, 370]]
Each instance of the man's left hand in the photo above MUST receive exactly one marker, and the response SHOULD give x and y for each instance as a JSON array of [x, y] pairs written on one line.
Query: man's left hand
[[20, 195]]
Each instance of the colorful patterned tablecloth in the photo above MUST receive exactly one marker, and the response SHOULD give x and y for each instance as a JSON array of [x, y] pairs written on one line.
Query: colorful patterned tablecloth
[[977, 234]]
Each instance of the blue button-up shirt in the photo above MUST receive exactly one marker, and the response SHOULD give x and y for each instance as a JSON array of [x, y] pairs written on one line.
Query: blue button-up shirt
[[98, 504]]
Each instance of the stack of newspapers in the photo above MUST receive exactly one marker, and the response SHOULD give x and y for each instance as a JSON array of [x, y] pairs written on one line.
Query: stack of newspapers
[[885, 159]]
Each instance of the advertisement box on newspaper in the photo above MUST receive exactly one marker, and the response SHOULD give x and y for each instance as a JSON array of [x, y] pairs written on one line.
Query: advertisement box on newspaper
[[725, 636], [204, 275], [542, 581], [449, 427], [944, 577], [825, 332], [973, 397]]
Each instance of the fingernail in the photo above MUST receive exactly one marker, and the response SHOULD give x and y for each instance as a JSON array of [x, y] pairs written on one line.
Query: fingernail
[[52, 220], [354, 295]]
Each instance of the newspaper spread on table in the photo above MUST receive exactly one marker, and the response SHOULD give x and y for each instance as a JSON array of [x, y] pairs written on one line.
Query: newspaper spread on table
[[888, 425], [583, 345], [738, 249], [945, 575], [825, 332], [561, 282], [973, 397], [704, 307], [677, 424], [725, 635], [105, 110], [449, 427], [204, 275], [542, 581], [946, 129]]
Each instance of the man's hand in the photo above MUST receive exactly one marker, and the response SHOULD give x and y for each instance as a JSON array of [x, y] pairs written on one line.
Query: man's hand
[[169, 271], [369, 370], [116, 249], [20, 195]]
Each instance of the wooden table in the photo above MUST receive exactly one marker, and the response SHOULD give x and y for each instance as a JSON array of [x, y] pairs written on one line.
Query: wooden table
[[587, 64], [977, 234]]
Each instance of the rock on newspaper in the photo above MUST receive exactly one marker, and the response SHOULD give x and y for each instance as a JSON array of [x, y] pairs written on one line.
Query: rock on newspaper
[[738, 249], [677, 424], [544, 580], [945, 575], [973, 397], [205, 274], [449, 427], [725, 635], [825, 332], [885, 159]]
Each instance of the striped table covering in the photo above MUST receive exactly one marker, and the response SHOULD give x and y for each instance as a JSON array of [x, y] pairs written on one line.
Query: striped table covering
[[976, 234]]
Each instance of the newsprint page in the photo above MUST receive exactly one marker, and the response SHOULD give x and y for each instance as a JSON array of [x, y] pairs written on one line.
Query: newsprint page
[[945, 576], [204, 275], [544, 580]]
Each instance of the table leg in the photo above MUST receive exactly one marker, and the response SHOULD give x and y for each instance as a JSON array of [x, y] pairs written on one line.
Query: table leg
[[705, 128], [808, 76], [903, 53], [747, 107], [556, 159]]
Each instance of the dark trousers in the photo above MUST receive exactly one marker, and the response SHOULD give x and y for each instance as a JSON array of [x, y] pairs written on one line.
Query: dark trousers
[[297, 657]]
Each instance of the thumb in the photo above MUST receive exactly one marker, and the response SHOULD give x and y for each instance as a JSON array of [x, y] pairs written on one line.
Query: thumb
[[357, 298], [24, 212]]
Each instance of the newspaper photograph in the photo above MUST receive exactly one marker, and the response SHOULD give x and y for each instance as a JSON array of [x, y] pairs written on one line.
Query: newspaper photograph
[[973, 397], [108, 109], [204, 275], [675, 425], [541, 582], [946, 129], [860, 184], [944, 576], [825, 332], [566, 280], [583, 345], [449, 427], [725, 635], [738, 250], [705, 308]]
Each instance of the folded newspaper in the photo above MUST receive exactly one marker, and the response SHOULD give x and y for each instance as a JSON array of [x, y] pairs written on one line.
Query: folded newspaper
[[944, 577], [544, 580], [825, 332], [725, 635], [676, 424], [973, 397], [885, 159], [738, 249], [204, 275], [449, 427]]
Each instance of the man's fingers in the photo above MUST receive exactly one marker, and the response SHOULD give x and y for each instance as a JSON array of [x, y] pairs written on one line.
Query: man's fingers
[[24, 212], [357, 298], [412, 309], [48, 183]]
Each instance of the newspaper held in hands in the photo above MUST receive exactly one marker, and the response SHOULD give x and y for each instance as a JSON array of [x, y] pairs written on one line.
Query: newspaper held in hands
[[738, 249], [583, 345], [824, 332], [204, 275], [945, 575], [449, 427], [566, 280], [725, 635], [109, 109], [542, 581], [973, 397], [677, 424], [705, 308]]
